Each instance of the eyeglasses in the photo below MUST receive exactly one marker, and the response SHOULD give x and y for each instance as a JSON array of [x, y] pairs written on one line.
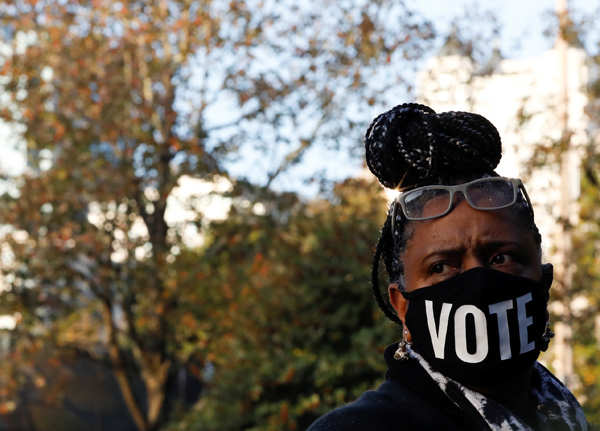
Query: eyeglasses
[[430, 202]]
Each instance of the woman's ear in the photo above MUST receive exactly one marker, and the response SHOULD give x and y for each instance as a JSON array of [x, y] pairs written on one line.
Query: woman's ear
[[398, 301]]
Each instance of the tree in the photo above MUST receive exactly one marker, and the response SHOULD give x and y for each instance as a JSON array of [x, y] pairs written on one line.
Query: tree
[[586, 235], [587, 281], [304, 333], [118, 102]]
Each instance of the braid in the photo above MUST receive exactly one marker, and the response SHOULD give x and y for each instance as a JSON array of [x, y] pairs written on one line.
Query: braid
[[467, 133], [379, 252], [547, 276]]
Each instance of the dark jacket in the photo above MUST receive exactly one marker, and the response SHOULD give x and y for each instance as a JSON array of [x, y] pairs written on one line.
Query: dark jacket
[[408, 400]]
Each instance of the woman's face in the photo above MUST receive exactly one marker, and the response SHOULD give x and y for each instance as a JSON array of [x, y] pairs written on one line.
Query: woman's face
[[464, 239]]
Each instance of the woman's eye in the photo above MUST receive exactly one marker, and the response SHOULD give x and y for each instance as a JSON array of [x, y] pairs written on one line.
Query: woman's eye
[[437, 268], [501, 259]]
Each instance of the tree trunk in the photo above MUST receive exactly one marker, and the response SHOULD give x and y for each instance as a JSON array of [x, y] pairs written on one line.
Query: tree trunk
[[155, 379], [118, 367]]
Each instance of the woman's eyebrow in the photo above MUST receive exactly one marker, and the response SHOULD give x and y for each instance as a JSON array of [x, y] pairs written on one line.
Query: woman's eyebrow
[[483, 246], [494, 244], [448, 251]]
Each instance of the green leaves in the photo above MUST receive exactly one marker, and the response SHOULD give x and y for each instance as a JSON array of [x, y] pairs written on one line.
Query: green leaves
[[301, 332]]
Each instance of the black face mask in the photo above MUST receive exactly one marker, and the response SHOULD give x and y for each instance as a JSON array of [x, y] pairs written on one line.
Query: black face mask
[[482, 326]]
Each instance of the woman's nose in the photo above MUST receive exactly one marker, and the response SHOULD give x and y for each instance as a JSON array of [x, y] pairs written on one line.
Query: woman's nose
[[472, 261]]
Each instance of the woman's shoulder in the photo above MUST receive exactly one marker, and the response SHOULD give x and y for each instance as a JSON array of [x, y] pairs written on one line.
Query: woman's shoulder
[[373, 410], [395, 406]]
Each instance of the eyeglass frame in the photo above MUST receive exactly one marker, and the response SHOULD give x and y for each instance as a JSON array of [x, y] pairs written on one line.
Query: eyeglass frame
[[516, 183]]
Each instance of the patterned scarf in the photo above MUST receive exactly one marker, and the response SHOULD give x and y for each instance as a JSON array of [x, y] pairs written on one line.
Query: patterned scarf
[[557, 408]]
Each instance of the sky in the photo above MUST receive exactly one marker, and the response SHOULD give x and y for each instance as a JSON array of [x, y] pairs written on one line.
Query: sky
[[523, 21], [522, 25]]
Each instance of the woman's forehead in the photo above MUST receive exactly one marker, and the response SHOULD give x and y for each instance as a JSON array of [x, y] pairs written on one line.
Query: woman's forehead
[[465, 226]]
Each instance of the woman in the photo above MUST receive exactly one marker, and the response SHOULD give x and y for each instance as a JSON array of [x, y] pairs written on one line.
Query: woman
[[468, 287]]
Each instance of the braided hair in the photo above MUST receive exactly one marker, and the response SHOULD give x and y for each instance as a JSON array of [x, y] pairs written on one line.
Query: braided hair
[[411, 146]]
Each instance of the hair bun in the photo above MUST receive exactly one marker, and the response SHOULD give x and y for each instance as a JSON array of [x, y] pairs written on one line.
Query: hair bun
[[411, 144]]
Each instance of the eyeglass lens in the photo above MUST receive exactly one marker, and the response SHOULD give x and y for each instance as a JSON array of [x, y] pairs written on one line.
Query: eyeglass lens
[[490, 194], [426, 203]]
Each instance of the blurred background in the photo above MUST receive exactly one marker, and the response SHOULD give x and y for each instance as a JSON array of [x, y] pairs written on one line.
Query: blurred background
[[187, 224]]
